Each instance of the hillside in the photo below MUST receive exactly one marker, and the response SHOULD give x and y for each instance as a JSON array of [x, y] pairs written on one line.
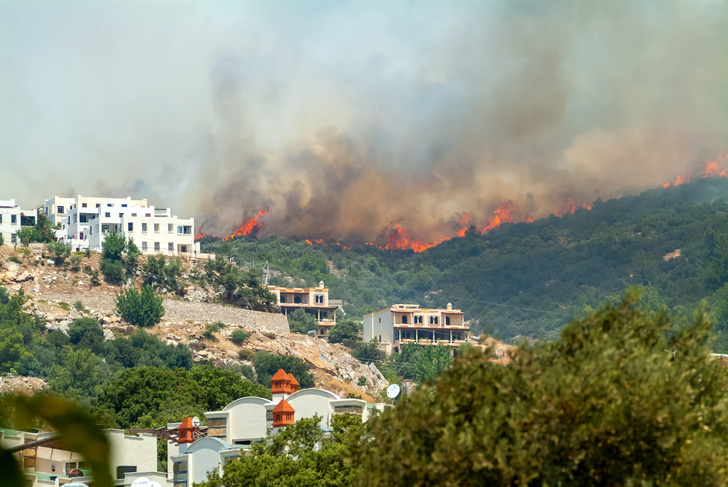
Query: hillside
[[532, 278], [55, 296]]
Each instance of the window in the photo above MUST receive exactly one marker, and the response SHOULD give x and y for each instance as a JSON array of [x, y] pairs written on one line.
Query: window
[[183, 248], [124, 205], [404, 319], [447, 320], [104, 229], [133, 214], [13, 218], [1, 218], [60, 209], [144, 227], [156, 245], [147, 215], [170, 246], [156, 228], [109, 204], [98, 205], [144, 245], [130, 226], [121, 215], [81, 236], [83, 205], [170, 228], [107, 215], [179, 229]]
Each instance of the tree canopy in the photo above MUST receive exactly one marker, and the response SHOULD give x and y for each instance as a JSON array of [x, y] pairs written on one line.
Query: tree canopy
[[619, 399]]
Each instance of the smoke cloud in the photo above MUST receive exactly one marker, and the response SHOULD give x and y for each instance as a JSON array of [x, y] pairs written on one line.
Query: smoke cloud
[[346, 118]]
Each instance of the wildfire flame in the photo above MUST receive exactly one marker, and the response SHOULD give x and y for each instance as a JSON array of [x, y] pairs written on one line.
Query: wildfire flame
[[397, 238], [501, 215], [717, 168]]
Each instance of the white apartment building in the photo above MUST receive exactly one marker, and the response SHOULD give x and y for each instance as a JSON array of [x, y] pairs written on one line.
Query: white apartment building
[[85, 221], [408, 323], [12, 218], [313, 300]]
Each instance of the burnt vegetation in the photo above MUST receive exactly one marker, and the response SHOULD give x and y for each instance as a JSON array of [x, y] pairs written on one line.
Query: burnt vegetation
[[530, 279]]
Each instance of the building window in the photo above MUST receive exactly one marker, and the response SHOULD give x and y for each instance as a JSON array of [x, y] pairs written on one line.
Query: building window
[[156, 228], [107, 215], [60, 209], [144, 227], [170, 228], [130, 226], [380, 320], [109, 204], [133, 214], [447, 320], [121, 215], [144, 245], [1, 218], [404, 319], [98, 205], [13, 218], [170, 246], [104, 229], [147, 215], [83, 205], [156, 245], [183, 248], [124, 205]]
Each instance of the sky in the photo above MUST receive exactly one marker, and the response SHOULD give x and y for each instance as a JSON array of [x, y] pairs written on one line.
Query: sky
[[346, 118]]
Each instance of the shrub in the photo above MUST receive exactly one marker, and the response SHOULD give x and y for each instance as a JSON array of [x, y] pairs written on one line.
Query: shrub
[[64, 306], [75, 263], [95, 281], [59, 253], [15, 259], [143, 309], [86, 333], [246, 354], [362, 381], [113, 270], [238, 337], [79, 307]]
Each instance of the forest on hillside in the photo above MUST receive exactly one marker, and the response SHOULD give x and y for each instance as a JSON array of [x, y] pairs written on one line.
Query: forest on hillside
[[530, 279]]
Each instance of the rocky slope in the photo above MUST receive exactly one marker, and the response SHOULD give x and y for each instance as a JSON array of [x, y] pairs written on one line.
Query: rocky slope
[[54, 294]]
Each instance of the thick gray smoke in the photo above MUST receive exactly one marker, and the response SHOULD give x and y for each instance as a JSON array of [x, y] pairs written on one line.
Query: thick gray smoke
[[345, 118]]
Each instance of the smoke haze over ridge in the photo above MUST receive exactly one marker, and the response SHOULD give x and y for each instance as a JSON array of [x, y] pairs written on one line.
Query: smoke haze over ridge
[[343, 117]]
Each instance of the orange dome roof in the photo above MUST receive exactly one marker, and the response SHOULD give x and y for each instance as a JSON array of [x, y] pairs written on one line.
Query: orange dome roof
[[283, 407]]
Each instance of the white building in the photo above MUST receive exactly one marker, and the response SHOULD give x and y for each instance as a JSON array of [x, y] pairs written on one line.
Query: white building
[[408, 323], [85, 221], [12, 218], [248, 420], [46, 462]]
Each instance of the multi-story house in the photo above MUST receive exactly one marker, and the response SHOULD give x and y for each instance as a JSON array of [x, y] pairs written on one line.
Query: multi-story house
[[85, 221], [12, 218], [313, 300], [408, 323]]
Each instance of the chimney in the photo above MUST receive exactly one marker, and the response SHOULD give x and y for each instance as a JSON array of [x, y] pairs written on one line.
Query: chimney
[[184, 432]]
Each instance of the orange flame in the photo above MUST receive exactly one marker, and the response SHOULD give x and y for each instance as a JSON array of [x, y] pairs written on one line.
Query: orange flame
[[397, 239], [464, 224], [251, 226], [501, 215], [717, 168]]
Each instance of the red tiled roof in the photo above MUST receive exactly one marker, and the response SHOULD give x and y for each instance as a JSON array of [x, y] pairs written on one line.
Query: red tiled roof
[[283, 407], [280, 375], [293, 380]]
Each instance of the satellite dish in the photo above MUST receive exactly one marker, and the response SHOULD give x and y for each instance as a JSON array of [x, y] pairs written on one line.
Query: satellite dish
[[196, 422], [140, 482], [393, 391]]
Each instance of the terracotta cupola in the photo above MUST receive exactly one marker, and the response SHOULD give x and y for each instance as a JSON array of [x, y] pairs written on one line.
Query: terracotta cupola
[[281, 383], [295, 386], [283, 414], [185, 431]]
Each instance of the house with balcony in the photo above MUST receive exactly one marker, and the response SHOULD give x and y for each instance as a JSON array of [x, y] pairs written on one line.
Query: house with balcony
[[313, 300], [12, 219], [408, 323], [85, 221]]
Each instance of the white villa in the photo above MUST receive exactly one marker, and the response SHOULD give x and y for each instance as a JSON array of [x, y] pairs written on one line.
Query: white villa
[[84, 221], [12, 218]]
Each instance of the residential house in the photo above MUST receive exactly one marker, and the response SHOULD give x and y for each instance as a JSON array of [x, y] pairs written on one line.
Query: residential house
[[85, 221], [313, 300], [408, 323], [12, 219]]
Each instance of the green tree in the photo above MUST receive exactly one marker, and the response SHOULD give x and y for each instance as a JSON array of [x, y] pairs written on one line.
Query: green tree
[[27, 235], [80, 376], [142, 309], [346, 332], [301, 322], [291, 457], [59, 251], [162, 275], [619, 399], [86, 333], [221, 387], [367, 352], [267, 364]]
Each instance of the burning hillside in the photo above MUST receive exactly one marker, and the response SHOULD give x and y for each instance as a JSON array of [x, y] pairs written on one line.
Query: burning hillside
[[396, 236]]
